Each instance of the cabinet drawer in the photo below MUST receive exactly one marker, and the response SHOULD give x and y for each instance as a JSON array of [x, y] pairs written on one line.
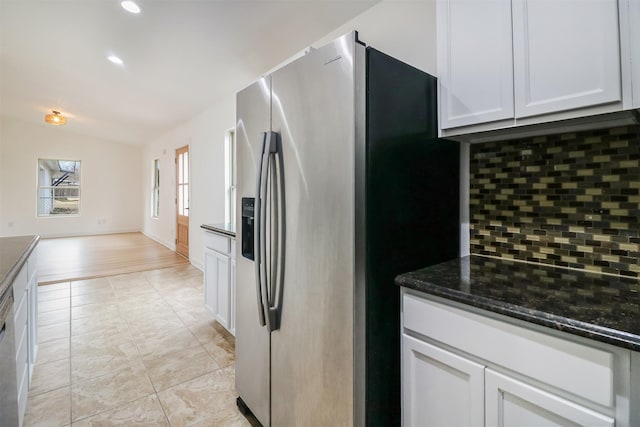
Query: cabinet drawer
[[20, 283], [578, 369], [233, 248], [217, 242]]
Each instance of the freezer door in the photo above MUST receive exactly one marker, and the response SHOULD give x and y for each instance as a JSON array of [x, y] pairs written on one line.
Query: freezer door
[[312, 351], [252, 338]]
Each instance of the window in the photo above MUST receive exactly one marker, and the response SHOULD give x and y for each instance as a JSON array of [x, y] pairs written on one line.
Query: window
[[58, 187], [230, 176], [155, 196], [182, 160]]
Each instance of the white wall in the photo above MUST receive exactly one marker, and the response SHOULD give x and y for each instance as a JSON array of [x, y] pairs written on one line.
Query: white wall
[[111, 181], [404, 29], [205, 135]]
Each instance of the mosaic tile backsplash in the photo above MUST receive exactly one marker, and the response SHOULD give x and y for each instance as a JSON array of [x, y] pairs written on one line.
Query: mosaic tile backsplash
[[569, 200]]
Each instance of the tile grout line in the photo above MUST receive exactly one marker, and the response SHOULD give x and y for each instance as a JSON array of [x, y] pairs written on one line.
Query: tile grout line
[[163, 293]]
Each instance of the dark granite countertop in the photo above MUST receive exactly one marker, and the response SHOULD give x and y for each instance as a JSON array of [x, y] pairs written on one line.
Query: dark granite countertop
[[14, 251], [223, 228], [599, 307]]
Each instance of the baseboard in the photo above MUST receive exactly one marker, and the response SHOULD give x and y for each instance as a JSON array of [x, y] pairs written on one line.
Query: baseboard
[[197, 264], [169, 245], [90, 233]]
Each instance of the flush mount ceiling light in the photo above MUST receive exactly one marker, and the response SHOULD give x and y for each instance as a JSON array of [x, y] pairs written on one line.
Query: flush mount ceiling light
[[115, 59], [55, 118], [130, 6]]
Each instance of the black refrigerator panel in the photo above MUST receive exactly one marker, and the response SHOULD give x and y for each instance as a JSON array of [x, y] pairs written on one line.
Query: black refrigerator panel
[[247, 227], [412, 212]]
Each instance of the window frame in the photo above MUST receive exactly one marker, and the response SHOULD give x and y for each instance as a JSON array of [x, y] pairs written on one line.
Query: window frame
[[155, 188], [230, 176], [40, 187]]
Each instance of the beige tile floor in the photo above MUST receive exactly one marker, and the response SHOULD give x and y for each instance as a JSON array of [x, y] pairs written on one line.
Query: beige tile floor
[[135, 349]]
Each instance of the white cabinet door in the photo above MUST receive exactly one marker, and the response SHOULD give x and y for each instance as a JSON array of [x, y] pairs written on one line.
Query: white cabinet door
[[440, 388], [474, 61], [210, 280], [216, 285], [565, 55], [222, 308], [511, 403], [32, 295]]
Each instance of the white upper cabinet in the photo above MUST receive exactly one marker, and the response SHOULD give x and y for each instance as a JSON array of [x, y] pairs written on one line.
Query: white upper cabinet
[[508, 63], [566, 55], [475, 61]]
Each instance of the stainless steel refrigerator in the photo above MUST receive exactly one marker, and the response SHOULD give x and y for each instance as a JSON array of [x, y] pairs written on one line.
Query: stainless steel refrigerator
[[342, 184]]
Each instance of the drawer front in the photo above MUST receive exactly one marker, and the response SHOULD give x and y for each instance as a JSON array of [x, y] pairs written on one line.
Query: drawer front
[[217, 242], [20, 283], [578, 369], [233, 248]]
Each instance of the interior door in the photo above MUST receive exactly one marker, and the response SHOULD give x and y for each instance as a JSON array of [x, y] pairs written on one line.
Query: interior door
[[182, 201], [312, 353]]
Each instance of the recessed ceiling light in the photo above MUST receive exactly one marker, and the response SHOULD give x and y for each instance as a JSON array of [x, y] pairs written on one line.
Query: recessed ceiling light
[[115, 59], [130, 6]]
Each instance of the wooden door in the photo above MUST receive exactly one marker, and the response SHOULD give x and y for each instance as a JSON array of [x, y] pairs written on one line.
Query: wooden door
[[182, 201]]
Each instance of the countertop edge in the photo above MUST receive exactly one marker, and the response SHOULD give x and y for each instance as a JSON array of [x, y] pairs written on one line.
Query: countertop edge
[[13, 272], [215, 229], [559, 323]]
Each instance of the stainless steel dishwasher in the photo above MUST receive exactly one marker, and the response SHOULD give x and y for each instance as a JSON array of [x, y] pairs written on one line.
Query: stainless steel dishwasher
[[8, 387]]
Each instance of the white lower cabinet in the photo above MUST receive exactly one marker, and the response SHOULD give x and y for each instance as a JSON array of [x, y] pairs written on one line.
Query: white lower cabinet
[[219, 279], [462, 368], [25, 295]]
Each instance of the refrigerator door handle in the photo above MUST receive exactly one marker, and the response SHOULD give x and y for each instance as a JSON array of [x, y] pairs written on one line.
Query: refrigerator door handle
[[269, 147], [258, 232], [275, 303]]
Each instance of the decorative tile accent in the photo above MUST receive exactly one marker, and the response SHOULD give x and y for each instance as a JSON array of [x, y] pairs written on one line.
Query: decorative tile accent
[[569, 200]]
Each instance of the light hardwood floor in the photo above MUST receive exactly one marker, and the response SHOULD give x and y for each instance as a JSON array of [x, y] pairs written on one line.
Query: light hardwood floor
[[87, 257]]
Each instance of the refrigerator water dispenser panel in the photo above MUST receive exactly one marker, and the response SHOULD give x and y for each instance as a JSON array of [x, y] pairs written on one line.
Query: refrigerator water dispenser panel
[[247, 227]]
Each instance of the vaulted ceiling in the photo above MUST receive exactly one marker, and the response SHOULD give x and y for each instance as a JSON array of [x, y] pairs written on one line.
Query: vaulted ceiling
[[180, 57]]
